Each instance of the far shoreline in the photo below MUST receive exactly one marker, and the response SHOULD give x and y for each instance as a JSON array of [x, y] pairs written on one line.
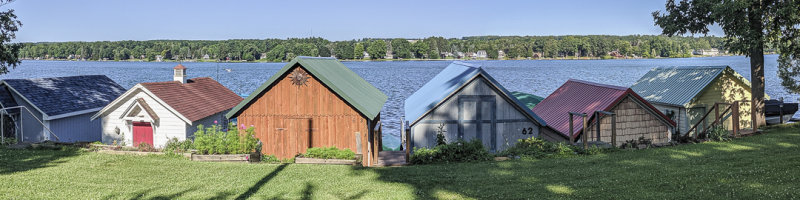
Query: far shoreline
[[377, 60]]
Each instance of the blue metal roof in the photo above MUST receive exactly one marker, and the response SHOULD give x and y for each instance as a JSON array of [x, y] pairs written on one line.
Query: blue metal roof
[[62, 95], [676, 85], [448, 81]]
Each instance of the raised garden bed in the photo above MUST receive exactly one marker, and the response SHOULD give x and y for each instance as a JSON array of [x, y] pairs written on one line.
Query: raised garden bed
[[300, 160], [122, 150], [226, 157]]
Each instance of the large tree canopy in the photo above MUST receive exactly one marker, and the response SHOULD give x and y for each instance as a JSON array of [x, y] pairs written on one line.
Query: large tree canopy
[[749, 25], [9, 52]]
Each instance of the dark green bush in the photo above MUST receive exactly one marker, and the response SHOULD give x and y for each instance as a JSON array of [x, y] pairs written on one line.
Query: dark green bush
[[459, 151], [719, 133], [213, 140], [329, 153], [538, 148], [174, 146]]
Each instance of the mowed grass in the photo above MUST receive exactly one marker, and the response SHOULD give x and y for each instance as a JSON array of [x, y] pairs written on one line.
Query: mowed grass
[[765, 166]]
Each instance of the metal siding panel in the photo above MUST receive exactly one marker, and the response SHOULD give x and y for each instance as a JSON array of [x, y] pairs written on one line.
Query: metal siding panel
[[77, 128], [676, 85]]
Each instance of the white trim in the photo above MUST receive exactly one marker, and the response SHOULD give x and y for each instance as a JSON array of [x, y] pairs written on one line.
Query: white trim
[[129, 92], [71, 114]]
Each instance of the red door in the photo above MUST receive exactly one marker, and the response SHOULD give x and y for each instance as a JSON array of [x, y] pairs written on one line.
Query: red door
[[142, 132]]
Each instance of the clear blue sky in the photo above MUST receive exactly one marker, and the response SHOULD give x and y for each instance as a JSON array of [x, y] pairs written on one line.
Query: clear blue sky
[[99, 20]]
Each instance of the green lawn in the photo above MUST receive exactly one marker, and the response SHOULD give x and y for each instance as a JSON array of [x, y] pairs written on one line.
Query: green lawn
[[759, 167]]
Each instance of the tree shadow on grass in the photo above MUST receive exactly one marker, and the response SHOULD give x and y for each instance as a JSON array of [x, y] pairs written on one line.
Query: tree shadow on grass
[[20, 160], [143, 195], [253, 189], [707, 170]]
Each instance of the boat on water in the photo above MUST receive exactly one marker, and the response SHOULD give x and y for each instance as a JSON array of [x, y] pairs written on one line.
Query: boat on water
[[777, 109]]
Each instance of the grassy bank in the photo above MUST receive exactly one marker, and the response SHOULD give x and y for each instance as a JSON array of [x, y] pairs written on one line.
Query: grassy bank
[[758, 167]]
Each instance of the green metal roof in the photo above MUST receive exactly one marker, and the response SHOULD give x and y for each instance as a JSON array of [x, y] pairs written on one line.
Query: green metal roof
[[678, 86], [529, 100], [353, 89]]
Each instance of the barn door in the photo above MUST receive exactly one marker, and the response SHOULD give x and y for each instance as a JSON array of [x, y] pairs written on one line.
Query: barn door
[[477, 119], [298, 136]]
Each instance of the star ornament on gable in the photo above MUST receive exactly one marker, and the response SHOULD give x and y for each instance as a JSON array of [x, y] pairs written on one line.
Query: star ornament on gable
[[299, 78]]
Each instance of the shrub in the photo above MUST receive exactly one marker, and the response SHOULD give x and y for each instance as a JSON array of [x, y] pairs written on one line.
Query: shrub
[[719, 133], [329, 153], [146, 147], [174, 146], [440, 140], [270, 159], [459, 151], [9, 141], [212, 140], [538, 148]]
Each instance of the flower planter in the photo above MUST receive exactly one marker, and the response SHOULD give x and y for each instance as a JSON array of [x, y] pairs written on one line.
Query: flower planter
[[300, 160], [226, 158]]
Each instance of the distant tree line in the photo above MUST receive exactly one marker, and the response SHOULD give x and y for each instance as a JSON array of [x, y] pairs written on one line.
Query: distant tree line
[[507, 47]]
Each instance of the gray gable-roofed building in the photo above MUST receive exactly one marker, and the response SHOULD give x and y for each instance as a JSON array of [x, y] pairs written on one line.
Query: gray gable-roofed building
[[469, 104], [63, 105]]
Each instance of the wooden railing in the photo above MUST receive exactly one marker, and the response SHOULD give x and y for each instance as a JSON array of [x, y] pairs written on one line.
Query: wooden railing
[[728, 107], [584, 133]]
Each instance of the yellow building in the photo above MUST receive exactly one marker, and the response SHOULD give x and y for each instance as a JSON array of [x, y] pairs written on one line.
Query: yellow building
[[686, 94]]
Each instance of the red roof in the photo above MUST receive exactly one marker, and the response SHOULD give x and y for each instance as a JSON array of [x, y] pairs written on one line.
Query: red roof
[[179, 67], [197, 98], [582, 97]]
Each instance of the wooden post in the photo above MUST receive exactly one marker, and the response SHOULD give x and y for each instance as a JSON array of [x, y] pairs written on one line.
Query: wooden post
[[716, 112], [780, 112], [2, 128], [614, 130], [571, 141], [585, 132], [597, 121], [408, 141], [735, 118]]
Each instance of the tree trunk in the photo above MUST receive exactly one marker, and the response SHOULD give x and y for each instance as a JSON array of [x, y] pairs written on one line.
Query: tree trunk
[[757, 66]]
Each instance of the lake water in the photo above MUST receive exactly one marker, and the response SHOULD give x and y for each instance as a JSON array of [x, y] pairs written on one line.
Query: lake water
[[398, 79]]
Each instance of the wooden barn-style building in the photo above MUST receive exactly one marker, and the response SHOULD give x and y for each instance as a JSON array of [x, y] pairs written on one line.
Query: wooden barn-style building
[[469, 104], [156, 112], [314, 102], [686, 94], [57, 108], [635, 117]]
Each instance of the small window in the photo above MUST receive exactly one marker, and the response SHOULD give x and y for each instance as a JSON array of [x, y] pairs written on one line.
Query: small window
[[178, 72]]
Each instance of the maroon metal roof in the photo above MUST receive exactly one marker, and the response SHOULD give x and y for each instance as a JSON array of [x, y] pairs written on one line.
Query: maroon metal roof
[[583, 97]]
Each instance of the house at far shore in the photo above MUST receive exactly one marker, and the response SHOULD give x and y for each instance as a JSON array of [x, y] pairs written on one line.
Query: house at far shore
[[529, 100], [481, 54], [155, 112], [635, 117], [688, 93], [57, 109]]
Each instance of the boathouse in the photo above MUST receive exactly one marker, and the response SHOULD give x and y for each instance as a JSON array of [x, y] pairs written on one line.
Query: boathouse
[[465, 102], [686, 94], [155, 112], [314, 102], [635, 117], [57, 109]]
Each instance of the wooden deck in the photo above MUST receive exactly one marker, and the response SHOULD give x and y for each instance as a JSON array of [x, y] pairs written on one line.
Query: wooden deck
[[391, 158]]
